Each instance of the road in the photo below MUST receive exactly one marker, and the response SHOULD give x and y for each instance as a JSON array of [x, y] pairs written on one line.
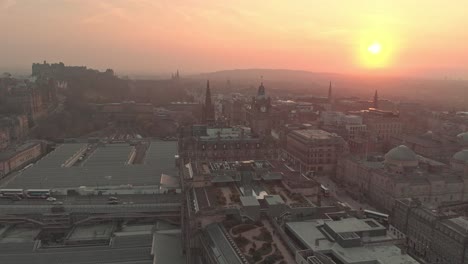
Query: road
[[339, 194], [92, 208], [101, 200]]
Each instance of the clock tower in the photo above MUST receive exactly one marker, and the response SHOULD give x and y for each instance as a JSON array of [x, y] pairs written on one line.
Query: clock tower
[[259, 113]]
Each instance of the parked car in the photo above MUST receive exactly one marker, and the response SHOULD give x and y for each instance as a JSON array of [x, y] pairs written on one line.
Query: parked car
[[112, 198], [113, 202], [51, 199]]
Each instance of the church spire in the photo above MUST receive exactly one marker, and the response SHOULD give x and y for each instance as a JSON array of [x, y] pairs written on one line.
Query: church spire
[[208, 93], [330, 92], [208, 107], [376, 100]]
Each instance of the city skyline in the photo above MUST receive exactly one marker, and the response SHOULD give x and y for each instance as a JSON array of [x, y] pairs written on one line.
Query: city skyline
[[423, 38]]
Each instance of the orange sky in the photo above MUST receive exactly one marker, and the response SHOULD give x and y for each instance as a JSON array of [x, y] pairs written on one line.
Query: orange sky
[[154, 36]]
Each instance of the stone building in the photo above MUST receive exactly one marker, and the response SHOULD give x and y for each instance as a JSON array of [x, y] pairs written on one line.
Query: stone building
[[15, 158], [429, 144], [200, 143], [403, 174], [124, 113], [437, 235], [313, 150]]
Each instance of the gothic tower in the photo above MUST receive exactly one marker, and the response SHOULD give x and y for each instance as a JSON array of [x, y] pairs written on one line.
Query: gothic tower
[[208, 114], [259, 113], [376, 100]]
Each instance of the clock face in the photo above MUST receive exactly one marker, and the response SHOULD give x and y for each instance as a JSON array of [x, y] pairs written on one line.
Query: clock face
[[263, 109]]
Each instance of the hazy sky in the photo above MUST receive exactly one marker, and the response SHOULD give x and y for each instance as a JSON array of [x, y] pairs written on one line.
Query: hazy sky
[[203, 35]]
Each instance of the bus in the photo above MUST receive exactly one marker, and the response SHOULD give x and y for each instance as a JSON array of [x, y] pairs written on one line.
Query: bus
[[325, 191], [12, 193], [37, 193], [380, 217]]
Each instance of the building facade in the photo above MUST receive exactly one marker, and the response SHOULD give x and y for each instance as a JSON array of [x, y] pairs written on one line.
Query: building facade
[[201, 143], [14, 159], [438, 236], [403, 174], [313, 150]]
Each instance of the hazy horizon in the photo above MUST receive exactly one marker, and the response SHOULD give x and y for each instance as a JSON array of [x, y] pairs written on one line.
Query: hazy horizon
[[144, 37]]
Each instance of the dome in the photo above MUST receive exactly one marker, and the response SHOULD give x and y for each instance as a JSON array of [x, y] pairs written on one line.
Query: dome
[[428, 134], [401, 155], [463, 138], [461, 156]]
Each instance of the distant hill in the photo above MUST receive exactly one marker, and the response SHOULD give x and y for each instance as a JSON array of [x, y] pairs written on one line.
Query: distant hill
[[270, 75]]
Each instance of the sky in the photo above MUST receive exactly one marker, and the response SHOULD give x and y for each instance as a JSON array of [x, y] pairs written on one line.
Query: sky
[[156, 36]]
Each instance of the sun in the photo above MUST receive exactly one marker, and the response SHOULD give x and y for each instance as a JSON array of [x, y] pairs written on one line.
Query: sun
[[375, 48]]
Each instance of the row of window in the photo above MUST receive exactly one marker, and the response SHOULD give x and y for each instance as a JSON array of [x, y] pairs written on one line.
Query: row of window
[[236, 146]]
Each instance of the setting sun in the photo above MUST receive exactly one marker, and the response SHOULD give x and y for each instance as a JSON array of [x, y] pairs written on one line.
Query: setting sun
[[375, 48]]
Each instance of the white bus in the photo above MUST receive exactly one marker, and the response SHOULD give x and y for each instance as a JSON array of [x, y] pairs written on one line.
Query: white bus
[[37, 193]]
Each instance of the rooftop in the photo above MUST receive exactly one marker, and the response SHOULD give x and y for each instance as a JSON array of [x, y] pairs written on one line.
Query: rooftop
[[314, 134], [134, 244], [273, 199], [312, 237], [353, 225], [91, 232], [99, 170], [460, 224], [222, 249], [249, 201]]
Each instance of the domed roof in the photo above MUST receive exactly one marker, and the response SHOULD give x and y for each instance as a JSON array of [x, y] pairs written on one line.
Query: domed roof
[[461, 155], [401, 155], [428, 134], [463, 138]]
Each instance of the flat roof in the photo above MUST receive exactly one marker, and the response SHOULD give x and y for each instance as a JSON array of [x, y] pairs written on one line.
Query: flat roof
[[167, 247], [314, 134], [311, 236], [49, 173], [249, 201], [273, 199], [60, 155], [353, 225], [109, 155]]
